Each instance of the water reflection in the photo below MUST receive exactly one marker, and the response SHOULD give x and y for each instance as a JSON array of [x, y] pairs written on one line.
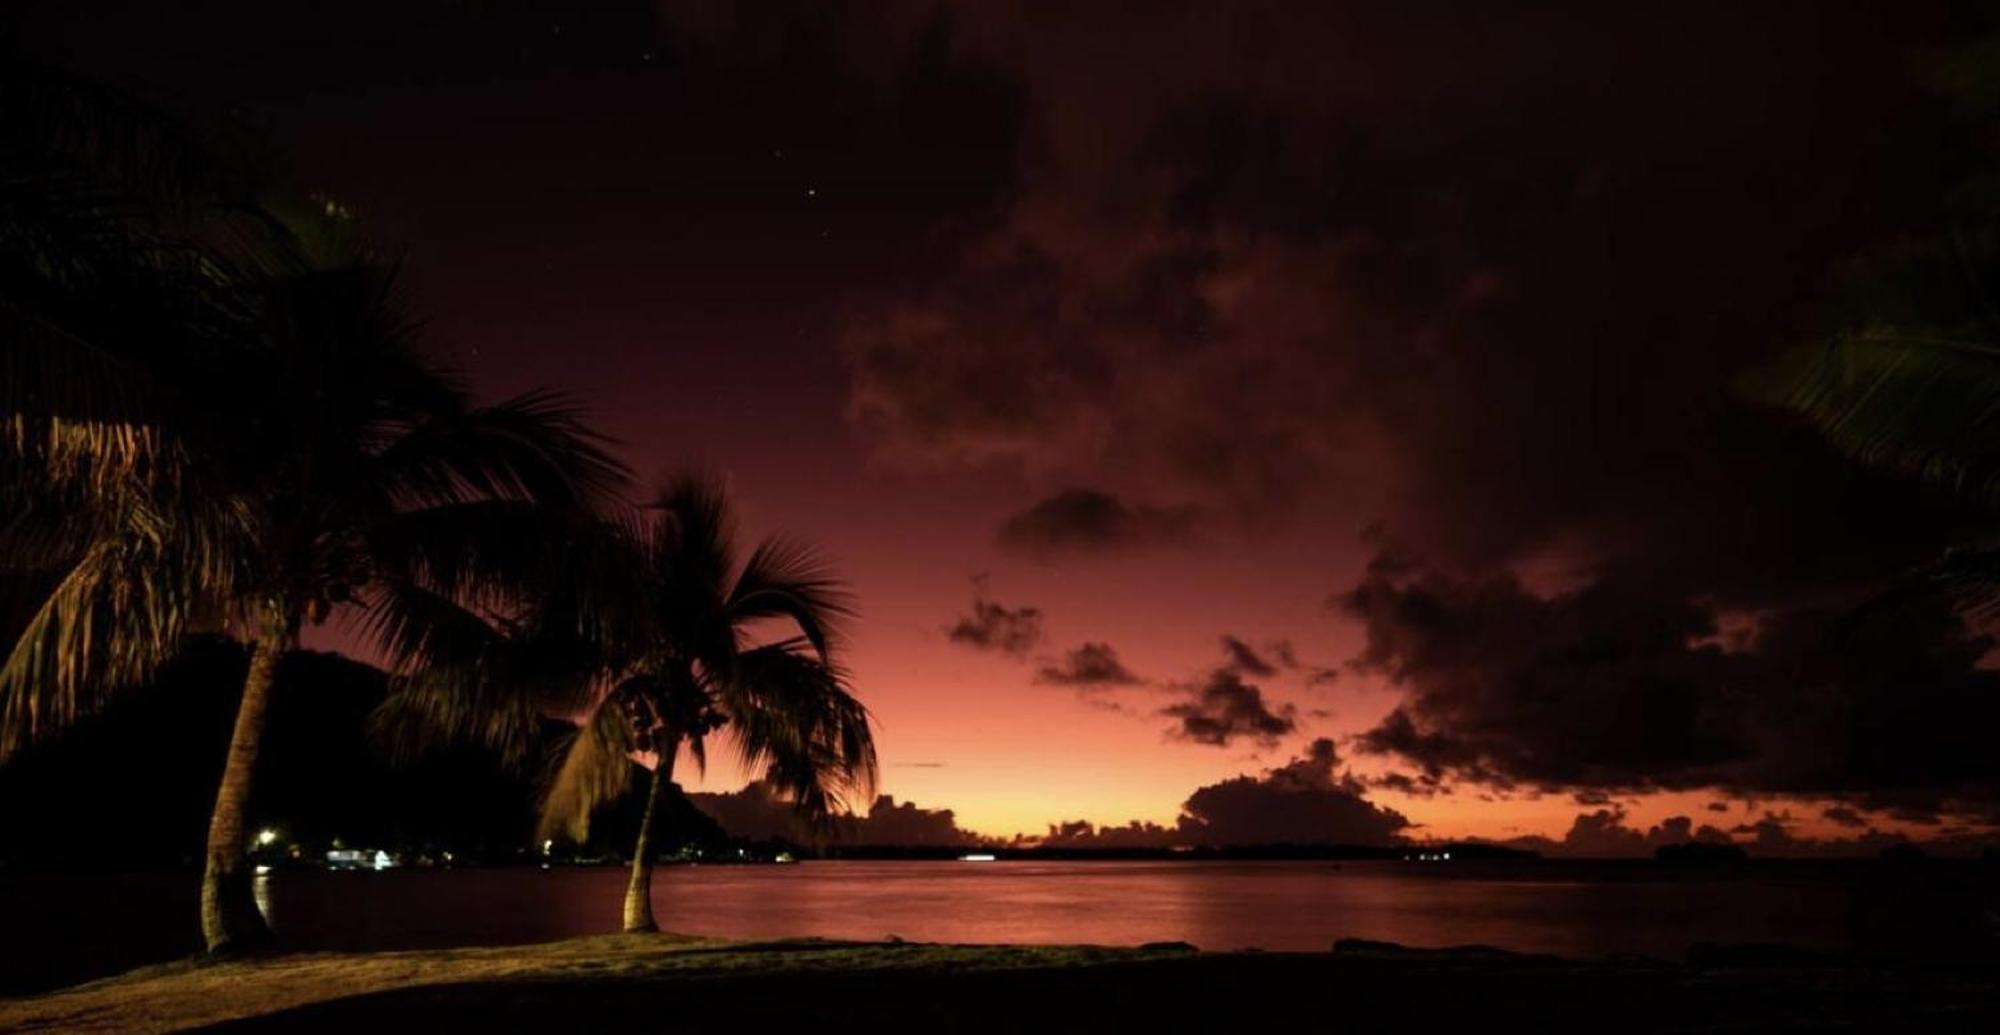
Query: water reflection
[[260, 892], [1581, 909]]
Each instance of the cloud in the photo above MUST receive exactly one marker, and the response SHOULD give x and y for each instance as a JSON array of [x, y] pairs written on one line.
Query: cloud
[[1229, 282], [890, 822], [1244, 660], [1844, 816], [1307, 801], [1304, 264], [1078, 833], [757, 812], [1771, 837], [1418, 785], [1603, 834], [1619, 685], [1224, 709], [1303, 802], [1089, 666], [993, 626], [1087, 520]]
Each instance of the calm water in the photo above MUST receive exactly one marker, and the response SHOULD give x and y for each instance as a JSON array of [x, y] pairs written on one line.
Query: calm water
[[64, 928]]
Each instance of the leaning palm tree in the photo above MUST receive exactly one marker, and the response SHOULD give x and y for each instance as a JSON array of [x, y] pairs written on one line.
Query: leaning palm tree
[[665, 658], [302, 460]]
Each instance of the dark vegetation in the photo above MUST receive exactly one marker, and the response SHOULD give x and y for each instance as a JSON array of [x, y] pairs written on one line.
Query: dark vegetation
[[155, 755]]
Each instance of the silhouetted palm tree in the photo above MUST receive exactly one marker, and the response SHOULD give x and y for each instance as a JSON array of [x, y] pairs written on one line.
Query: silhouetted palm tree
[[1911, 382], [1909, 379], [658, 647], [277, 451]]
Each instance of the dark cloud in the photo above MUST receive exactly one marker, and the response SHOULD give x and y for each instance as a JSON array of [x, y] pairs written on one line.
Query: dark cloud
[[1089, 666], [994, 626], [1417, 785], [1603, 834], [1307, 801], [1274, 658], [1921, 816], [1244, 659], [890, 822], [1620, 686], [1227, 285], [1844, 816], [1224, 709], [1228, 279], [758, 812], [1078, 833], [1772, 837], [1503, 282], [1717, 806], [1088, 520]]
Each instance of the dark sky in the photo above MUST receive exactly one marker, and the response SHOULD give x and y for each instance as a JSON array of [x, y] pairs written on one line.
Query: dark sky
[[1181, 383]]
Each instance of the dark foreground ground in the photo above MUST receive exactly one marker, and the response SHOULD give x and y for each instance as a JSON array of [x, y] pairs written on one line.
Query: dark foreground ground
[[671, 984]]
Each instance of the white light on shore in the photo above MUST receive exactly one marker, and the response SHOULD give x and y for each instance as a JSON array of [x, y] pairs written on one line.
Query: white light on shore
[[267, 837], [976, 857]]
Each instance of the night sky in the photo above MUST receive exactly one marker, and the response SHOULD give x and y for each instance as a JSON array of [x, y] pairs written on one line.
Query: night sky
[[1180, 385]]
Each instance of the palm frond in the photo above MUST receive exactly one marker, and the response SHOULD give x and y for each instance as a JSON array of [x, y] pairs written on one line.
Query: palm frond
[[498, 545], [787, 579], [49, 372], [535, 447], [1971, 577], [497, 701], [595, 768], [108, 623], [126, 143], [695, 536], [794, 716], [415, 627], [1907, 403]]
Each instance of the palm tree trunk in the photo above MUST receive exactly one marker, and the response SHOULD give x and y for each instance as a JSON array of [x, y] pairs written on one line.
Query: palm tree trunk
[[639, 892], [229, 917]]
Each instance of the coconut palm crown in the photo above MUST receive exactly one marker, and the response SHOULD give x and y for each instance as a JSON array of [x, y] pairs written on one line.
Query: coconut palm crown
[[279, 454], [656, 638]]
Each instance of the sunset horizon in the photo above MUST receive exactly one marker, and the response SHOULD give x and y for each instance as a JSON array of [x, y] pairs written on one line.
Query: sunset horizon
[[941, 512]]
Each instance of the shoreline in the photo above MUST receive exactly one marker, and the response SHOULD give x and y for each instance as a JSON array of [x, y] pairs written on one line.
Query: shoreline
[[708, 984]]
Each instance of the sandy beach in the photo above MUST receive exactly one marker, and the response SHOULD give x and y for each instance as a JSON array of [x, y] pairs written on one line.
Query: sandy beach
[[677, 983]]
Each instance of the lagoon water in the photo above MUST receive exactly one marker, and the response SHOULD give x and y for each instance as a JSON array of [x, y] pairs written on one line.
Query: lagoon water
[[65, 928]]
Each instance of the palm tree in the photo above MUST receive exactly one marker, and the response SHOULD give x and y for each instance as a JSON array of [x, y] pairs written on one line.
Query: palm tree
[[1909, 382], [665, 658], [1908, 378], [283, 455], [104, 292]]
